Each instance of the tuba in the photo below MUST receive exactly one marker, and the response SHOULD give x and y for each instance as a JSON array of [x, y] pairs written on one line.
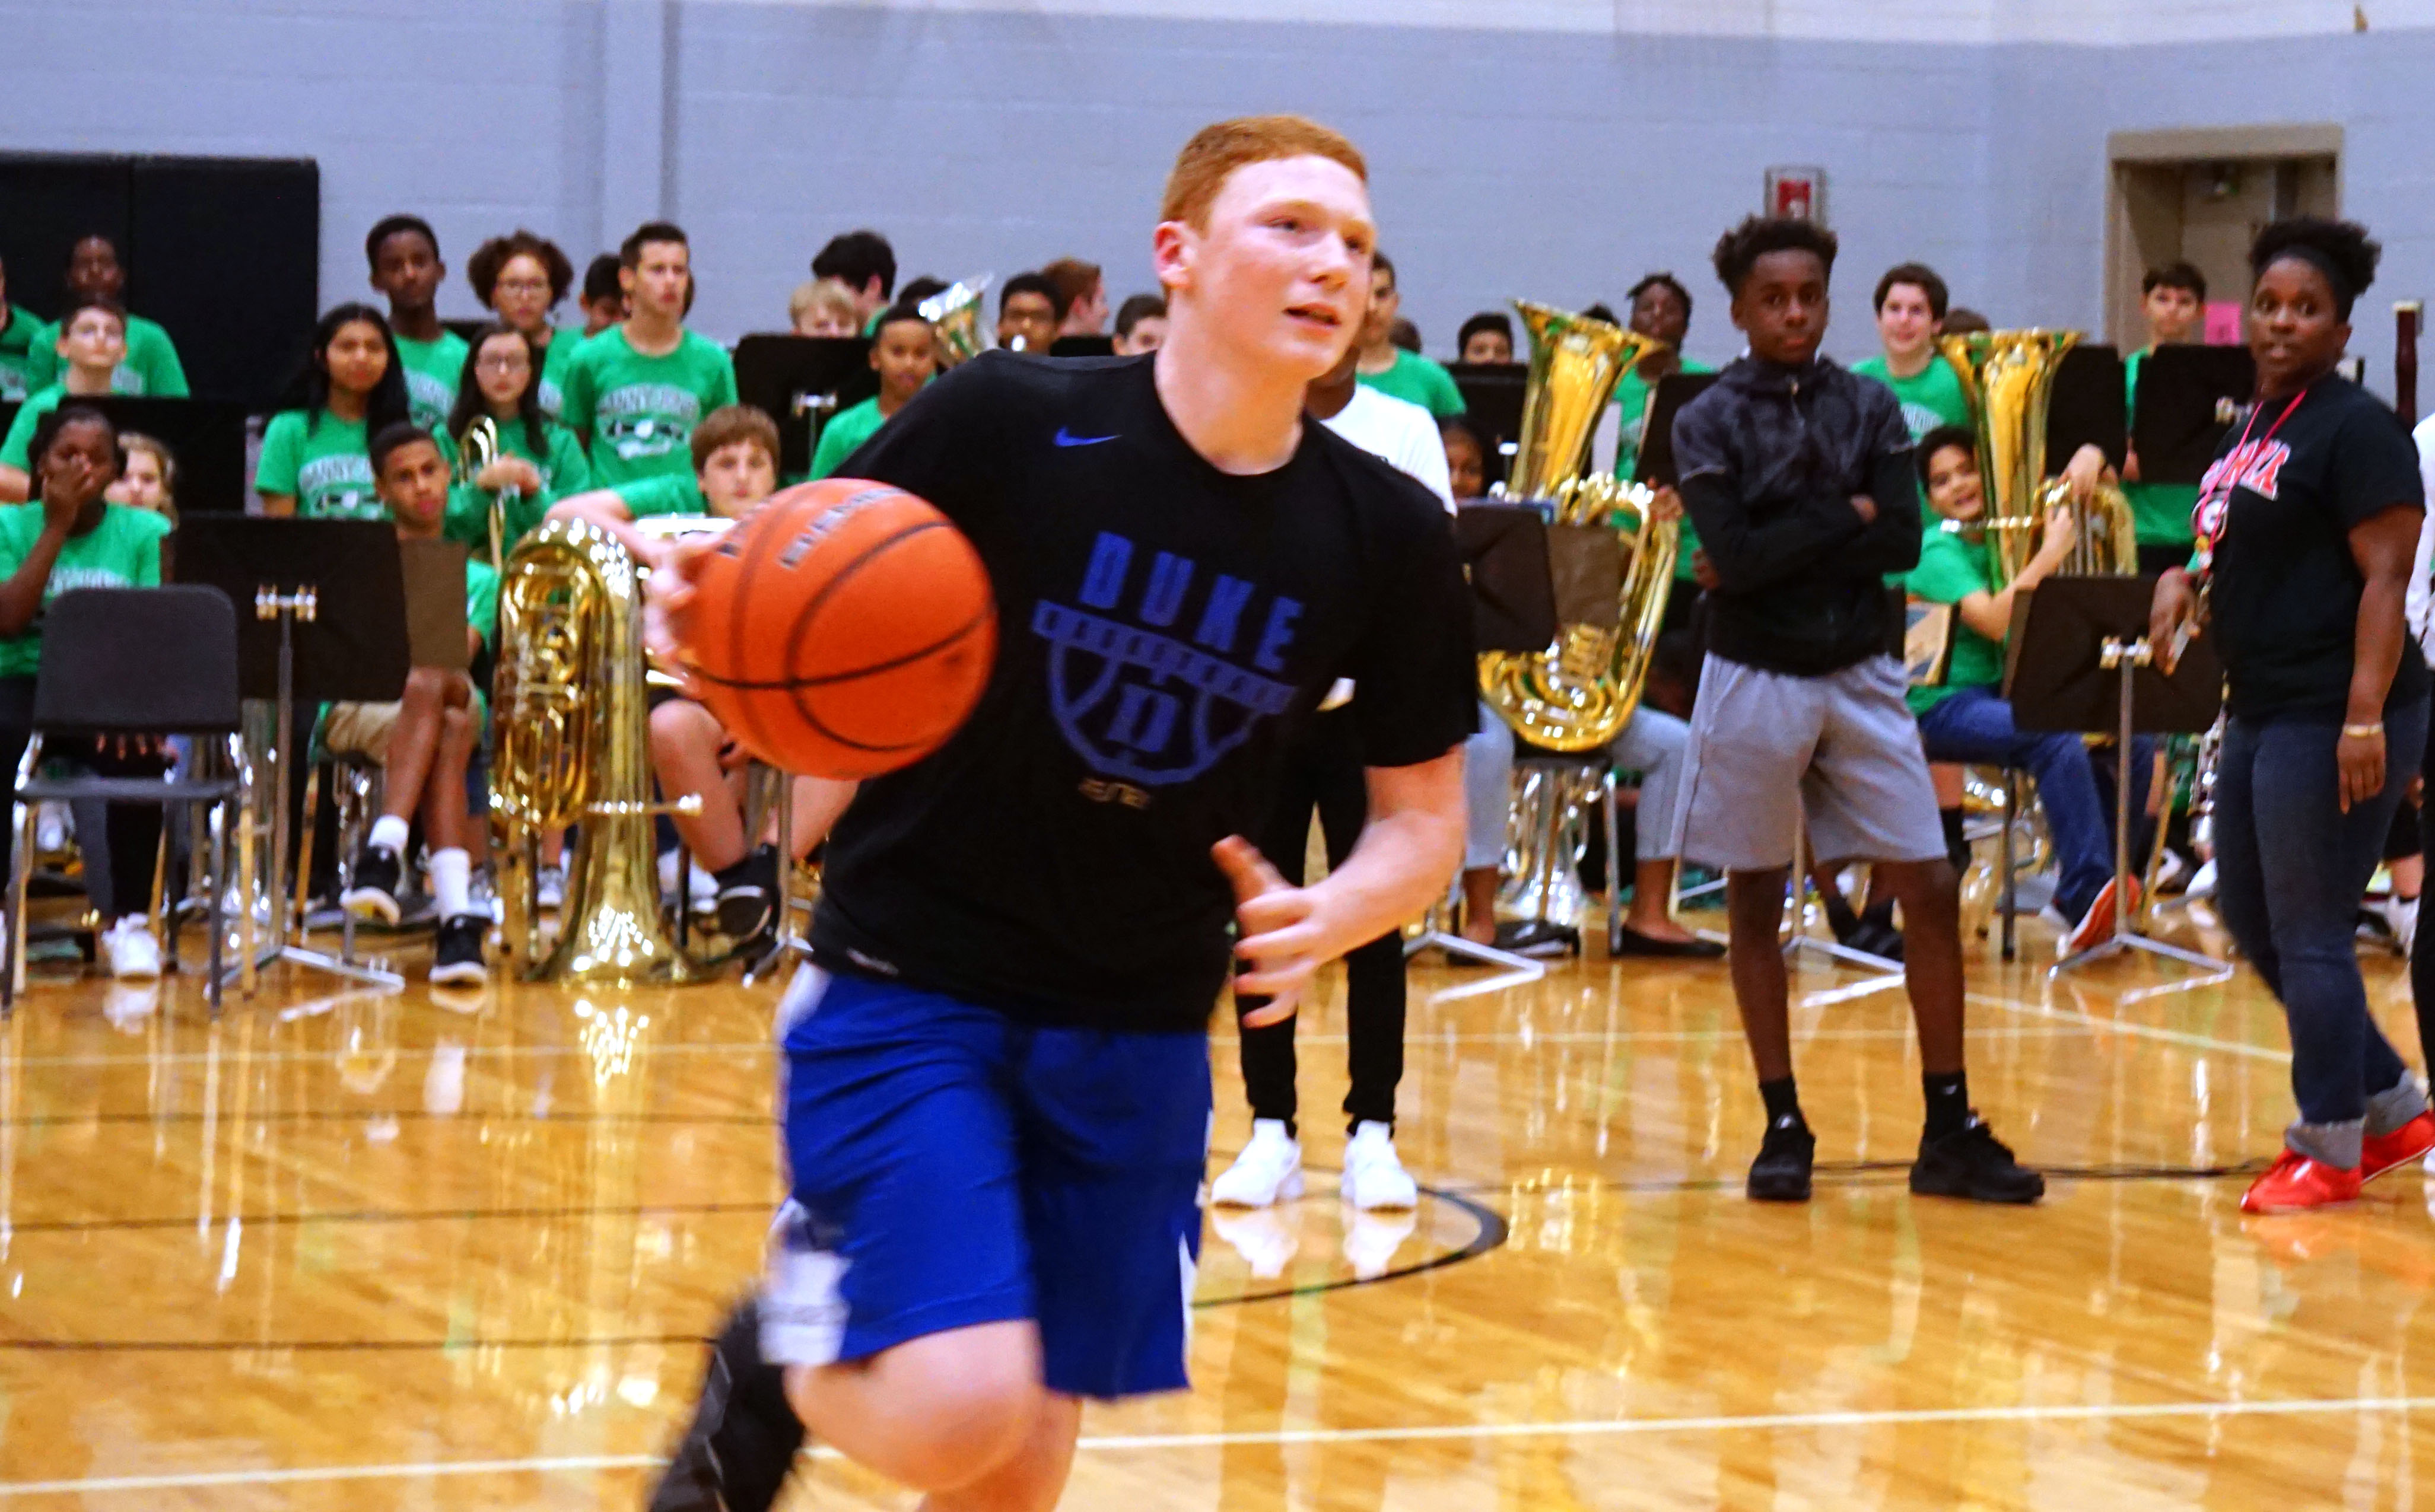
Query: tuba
[[1579, 693], [2010, 378], [954, 316], [571, 732]]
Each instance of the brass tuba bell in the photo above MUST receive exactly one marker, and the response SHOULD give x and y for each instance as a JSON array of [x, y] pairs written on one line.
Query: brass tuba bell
[[1578, 694], [2010, 378], [954, 316], [571, 731]]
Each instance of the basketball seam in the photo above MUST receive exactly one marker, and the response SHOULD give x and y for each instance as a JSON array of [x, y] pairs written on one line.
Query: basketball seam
[[813, 718], [987, 613], [811, 610]]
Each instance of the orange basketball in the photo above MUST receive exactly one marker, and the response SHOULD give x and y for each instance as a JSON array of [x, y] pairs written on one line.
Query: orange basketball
[[844, 629]]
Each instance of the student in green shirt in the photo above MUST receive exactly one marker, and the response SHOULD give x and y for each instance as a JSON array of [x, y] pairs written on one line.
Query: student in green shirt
[[2173, 298], [539, 461], [1660, 308], [522, 277], [91, 345], [906, 355], [424, 742], [404, 253], [1389, 369], [151, 366], [74, 539], [1911, 302], [17, 327], [734, 454], [635, 392], [316, 461]]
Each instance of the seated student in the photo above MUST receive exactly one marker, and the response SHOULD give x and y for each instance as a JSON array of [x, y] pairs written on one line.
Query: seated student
[[149, 478], [316, 461], [866, 264], [823, 307], [735, 452], [424, 742], [1140, 325], [90, 345], [603, 299], [1487, 337], [151, 366], [73, 538], [539, 460], [635, 391], [1660, 309], [404, 256], [1028, 313], [520, 277], [1082, 297], [1966, 718], [1911, 303], [1403, 373], [1467, 458], [17, 326], [2173, 299], [904, 356]]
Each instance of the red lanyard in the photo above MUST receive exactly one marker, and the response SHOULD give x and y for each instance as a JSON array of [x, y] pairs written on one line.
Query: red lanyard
[[2218, 501]]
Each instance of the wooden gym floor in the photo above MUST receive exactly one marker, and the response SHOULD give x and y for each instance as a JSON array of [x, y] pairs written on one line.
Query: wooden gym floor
[[347, 1251]]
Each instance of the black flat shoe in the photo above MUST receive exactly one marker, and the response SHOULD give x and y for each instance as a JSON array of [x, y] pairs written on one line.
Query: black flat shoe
[[1627, 940]]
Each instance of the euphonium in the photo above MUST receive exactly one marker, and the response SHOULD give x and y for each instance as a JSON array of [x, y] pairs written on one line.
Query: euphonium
[[1579, 692], [2009, 375], [570, 735], [954, 316], [475, 453]]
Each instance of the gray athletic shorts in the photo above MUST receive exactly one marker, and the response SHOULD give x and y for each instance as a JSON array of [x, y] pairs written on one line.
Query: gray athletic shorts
[[1766, 746]]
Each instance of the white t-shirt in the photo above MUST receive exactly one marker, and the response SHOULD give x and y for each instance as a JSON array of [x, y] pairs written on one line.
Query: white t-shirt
[[1399, 431], [2416, 604]]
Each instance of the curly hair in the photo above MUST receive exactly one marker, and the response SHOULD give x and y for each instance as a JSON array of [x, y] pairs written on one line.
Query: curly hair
[[1664, 280], [2340, 249], [482, 270], [1739, 249]]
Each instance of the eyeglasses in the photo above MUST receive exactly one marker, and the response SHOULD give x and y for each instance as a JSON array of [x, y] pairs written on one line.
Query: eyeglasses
[[510, 362], [522, 285]]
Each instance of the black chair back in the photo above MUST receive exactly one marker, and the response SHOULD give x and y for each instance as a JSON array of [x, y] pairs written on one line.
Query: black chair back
[[138, 661]]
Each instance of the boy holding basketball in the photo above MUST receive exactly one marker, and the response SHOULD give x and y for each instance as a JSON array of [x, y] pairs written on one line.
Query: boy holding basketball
[[997, 1071]]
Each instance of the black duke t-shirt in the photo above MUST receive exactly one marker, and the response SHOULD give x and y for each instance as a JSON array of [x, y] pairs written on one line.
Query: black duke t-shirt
[[2279, 506], [1163, 628]]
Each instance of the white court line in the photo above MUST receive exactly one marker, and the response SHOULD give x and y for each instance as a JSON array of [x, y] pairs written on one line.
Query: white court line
[[1120, 1443], [2142, 1031]]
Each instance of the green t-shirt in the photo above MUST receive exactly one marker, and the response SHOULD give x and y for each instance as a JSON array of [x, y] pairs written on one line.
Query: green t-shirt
[[1931, 397], [1951, 568], [845, 432], [124, 551], [669, 493], [1417, 380], [637, 413], [482, 600], [2161, 511], [563, 470], [327, 466], [17, 353], [151, 367], [555, 360], [432, 368], [17, 450], [1631, 401]]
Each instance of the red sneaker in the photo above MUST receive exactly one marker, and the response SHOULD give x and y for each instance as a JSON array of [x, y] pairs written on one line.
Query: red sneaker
[[2379, 1153], [2295, 1184], [2096, 926]]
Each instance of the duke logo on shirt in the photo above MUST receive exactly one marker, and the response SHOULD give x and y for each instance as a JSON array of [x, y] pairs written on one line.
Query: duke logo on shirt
[[1145, 693]]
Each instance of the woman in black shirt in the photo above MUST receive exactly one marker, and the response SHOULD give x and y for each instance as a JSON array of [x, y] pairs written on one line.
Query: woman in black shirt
[[2307, 523]]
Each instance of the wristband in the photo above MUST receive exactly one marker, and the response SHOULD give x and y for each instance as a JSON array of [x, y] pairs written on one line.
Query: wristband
[[2364, 732]]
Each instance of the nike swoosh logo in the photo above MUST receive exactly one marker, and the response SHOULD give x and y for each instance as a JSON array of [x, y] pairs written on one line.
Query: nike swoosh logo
[[1066, 437]]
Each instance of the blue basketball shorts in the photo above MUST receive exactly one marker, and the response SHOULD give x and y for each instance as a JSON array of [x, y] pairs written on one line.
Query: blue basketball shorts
[[952, 1166]]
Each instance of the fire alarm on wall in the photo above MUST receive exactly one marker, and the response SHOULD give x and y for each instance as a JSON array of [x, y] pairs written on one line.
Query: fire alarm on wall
[[1796, 194]]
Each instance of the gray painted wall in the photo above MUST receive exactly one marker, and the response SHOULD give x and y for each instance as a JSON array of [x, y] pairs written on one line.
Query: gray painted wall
[[1557, 166]]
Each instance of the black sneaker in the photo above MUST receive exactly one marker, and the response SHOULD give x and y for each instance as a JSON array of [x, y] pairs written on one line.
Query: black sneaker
[[737, 1453], [745, 892], [456, 953], [1973, 1163], [373, 893], [1781, 1173]]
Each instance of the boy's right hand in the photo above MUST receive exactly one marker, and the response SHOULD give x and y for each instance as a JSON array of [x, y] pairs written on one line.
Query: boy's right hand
[[667, 594]]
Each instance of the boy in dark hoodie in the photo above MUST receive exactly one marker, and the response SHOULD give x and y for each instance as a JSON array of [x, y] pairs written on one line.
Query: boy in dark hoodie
[[1801, 479]]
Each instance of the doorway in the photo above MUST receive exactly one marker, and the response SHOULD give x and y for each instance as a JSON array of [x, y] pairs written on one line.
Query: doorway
[[2199, 196]]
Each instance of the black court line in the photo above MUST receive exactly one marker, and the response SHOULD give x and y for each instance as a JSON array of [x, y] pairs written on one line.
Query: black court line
[[1491, 1235]]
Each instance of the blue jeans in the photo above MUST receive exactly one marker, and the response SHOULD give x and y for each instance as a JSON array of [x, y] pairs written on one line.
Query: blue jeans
[[1975, 725], [2290, 867]]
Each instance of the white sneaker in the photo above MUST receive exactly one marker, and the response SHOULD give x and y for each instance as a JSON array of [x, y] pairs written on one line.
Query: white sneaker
[[2401, 916], [702, 889], [134, 955], [1268, 1168], [2202, 881], [551, 886], [1374, 1177]]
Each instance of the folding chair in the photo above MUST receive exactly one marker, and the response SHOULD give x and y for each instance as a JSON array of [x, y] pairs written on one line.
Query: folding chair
[[129, 662]]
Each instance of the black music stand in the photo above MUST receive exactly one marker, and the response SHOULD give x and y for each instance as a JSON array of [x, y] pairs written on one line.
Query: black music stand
[[206, 436], [1082, 347], [800, 382], [2079, 661], [1673, 392], [342, 582], [2188, 398], [1492, 400], [2086, 409]]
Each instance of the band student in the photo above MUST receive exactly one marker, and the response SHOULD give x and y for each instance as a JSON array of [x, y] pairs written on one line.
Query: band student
[[1026, 930], [2307, 523], [1799, 477]]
